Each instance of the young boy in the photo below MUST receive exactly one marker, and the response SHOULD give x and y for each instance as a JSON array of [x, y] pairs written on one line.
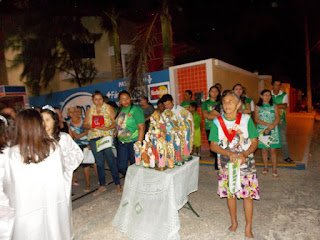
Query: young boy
[[197, 129]]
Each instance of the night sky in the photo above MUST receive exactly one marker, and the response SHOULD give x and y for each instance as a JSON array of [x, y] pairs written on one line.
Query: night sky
[[267, 36]]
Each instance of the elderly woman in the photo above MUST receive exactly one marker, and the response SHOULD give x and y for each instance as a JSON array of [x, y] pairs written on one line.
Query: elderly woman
[[100, 122], [130, 128], [233, 137]]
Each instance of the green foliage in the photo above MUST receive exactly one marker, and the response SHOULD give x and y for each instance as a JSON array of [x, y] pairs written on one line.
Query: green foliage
[[46, 45]]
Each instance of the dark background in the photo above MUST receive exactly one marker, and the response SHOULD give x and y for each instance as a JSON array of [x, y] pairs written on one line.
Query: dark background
[[267, 36]]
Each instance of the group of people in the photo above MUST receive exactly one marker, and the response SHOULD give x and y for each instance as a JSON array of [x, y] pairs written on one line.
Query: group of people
[[39, 152]]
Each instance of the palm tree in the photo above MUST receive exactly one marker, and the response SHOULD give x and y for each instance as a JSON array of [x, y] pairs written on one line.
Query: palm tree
[[142, 50], [138, 60], [166, 27], [109, 22], [45, 45]]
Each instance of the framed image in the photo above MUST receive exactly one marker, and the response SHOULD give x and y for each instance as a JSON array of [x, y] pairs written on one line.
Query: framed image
[[157, 90]]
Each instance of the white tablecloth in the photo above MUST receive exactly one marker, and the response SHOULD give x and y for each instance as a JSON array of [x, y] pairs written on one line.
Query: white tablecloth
[[151, 200]]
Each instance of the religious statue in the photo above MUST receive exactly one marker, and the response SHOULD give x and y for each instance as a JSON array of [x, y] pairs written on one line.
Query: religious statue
[[152, 162], [185, 121], [170, 154], [137, 155], [144, 154], [162, 151], [169, 123], [177, 148]]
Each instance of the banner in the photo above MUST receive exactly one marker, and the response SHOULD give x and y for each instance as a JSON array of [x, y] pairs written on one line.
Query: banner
[[82, 96]]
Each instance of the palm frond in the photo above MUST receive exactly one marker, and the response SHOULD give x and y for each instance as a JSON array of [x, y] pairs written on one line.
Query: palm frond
[[139, 56]]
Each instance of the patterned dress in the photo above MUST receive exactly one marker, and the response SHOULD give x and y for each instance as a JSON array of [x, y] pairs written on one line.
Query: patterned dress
[[267, 114], [245, 131]]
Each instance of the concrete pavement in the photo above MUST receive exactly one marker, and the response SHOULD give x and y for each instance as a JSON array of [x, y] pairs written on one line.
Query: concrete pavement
[[289, 207]]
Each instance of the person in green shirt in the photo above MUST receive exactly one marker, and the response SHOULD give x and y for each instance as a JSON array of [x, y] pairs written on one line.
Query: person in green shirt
[[130, 124], [281, 99], [187, 99], [210, 110], [193, 107]]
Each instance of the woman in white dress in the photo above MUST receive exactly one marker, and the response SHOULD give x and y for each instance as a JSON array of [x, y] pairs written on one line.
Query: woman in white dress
[[6, 212], [72, 153], [36, 183]]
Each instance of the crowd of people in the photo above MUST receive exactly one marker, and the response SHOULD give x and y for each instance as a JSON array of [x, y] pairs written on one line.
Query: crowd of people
[[40, 152]]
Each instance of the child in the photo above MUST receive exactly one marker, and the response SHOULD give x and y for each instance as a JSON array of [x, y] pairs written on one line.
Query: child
[[197, 129], [267, 117]]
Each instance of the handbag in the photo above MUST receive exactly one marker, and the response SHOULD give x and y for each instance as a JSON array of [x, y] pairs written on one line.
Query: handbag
[[88, 157]]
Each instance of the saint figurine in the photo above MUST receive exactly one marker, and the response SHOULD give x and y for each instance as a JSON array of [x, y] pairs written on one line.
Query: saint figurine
[[170, 154], [137, 155], [152, 163], [162, 151], [177, 148], [144, 154]]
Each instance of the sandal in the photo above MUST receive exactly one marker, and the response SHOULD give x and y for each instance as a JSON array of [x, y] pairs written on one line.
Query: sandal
[[275, 175], [87, 189], [100, 190], [264, 172]]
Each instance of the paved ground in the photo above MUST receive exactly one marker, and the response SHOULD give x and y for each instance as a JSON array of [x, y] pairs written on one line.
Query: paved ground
[[289, 207]]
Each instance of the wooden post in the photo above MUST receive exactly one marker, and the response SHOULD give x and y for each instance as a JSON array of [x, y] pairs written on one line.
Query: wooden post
[[309, 92]]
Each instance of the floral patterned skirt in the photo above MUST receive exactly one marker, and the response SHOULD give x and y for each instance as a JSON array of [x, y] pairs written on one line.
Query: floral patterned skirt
[[249, 187]]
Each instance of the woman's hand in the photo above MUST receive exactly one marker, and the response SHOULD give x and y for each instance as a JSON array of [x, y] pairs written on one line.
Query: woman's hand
[[234, 156], [267, 131]]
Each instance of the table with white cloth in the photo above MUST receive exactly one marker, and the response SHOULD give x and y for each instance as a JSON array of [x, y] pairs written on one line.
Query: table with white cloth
[[151, 200]]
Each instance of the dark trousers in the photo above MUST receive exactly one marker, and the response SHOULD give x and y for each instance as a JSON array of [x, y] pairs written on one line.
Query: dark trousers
[[100, 158], [125, 153], [213, 153]]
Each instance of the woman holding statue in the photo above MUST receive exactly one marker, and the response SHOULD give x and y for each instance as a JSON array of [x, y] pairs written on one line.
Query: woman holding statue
[[233, 137]]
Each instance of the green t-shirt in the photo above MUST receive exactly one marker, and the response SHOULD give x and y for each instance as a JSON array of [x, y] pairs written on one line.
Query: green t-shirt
[[279, 100], [186, 104], [209, 106], [248, 100], [127, 123], [197, 120]]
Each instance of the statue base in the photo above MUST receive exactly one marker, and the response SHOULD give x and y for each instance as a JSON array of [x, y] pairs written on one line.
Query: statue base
[[160, 168], [187, 158], [179, 163]]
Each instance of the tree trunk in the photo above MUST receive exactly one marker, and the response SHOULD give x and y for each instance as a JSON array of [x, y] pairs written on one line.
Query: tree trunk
[[115, 39], [166, 28]]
